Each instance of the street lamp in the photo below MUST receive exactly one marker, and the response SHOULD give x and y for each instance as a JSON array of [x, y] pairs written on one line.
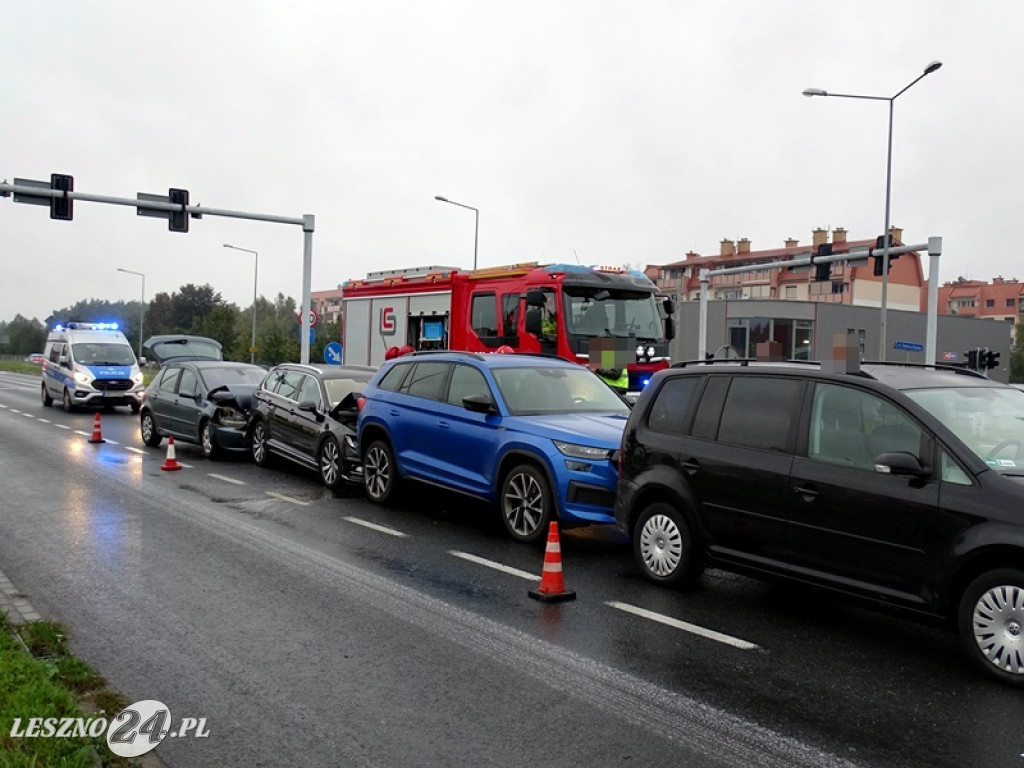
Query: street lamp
[[142, 314], [255, 278], [476, 228], [888, 185]]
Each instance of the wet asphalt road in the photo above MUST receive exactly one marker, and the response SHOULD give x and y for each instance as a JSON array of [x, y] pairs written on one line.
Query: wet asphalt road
[[315, 628]]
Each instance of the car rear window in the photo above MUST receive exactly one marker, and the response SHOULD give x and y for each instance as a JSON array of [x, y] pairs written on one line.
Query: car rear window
[[670, 411]]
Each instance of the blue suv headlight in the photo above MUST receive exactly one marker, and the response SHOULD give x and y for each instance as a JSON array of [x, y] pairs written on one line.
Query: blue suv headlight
[[583, 451]]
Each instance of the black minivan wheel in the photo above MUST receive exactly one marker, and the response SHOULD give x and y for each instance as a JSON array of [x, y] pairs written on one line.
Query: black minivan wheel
[[663, 546], [991, 622]]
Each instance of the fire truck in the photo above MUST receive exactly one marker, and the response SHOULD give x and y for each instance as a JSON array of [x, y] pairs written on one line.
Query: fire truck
[[576, 312]]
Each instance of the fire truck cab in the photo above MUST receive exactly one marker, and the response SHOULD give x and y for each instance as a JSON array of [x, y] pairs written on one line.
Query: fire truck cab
[[585, 314]]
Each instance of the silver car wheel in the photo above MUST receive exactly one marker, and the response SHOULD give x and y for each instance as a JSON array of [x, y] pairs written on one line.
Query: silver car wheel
[[376, 472], [998, 622], [523, 504], [207, 439], [661, 546]]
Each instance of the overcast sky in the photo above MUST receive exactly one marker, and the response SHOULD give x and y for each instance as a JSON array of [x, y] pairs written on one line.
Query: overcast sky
[[611, 132]]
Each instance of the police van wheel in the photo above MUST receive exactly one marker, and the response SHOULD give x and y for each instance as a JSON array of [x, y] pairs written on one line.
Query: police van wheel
[[69, 406], [47, 400]]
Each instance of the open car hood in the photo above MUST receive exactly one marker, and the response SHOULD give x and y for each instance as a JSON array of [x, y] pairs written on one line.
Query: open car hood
[[237, 396]]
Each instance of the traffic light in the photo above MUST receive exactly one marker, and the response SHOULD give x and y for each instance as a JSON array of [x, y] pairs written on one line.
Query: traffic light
[[972, 358], [879, 260], [62, 208], [823, 271], [178, 221], [989, 359]]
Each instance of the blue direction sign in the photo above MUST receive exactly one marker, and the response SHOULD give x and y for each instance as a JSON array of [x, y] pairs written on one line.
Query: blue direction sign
[[908, 345], [312, 335], [332, 353]]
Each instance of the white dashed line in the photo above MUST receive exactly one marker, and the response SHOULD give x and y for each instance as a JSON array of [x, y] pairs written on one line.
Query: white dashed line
[[111, 442], [15, 410], [225, 478], [374, 526], [133, 449], [282, 497], [189, 466], [80, 432], [2, 405], [28, 414], [61, 426], [496, 566], [45, 421], [710, 634]]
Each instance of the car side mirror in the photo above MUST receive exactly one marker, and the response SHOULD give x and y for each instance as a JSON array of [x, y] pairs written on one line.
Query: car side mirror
[[670, 307], [143, 361], [63, 360], [479, 404], [900, 463], [532, 321], [535, 298], [670, 328], [309, 406]]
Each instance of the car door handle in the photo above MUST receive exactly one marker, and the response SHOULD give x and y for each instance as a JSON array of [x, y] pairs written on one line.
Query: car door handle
[[690, 466], [808, 493], [444, 425], [392, 413]]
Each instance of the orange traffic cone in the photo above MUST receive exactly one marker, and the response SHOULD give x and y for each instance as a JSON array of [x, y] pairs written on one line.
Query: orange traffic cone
[[552, 588], [171, 463], [97, 435]]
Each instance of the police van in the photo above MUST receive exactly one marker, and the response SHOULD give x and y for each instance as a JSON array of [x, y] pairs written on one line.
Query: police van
[[91, 364]]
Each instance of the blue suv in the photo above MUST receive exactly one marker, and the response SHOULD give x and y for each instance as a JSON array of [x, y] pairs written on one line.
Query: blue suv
[[536, 435]]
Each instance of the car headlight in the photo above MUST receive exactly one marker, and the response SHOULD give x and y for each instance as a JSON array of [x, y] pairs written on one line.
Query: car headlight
[[640, 350], [229, 417], [583, 451], [650, 351], [137, 377], [82, 377]]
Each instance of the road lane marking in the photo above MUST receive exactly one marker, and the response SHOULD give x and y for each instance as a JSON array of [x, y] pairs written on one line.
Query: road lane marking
[[15, 410], [29, 415], [282, 497], [710, 634], [496, 566], [374, 526], [45, 421], [111, 442], [2, 405], [133, 449], [225, 478], [61, 426], [80, 432]]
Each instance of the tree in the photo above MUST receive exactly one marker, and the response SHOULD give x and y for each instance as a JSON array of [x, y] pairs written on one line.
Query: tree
[[191, 305], [1017, 355], [24, 336], [222, 324]]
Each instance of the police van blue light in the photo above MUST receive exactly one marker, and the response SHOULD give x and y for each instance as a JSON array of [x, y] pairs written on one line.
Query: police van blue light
[[91, 364]]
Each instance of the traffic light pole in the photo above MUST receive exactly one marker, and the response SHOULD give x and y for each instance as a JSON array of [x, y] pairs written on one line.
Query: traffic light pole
[[43, 196]]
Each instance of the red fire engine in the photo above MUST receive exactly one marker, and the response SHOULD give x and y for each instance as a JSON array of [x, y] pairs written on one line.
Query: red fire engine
[[557, 309]]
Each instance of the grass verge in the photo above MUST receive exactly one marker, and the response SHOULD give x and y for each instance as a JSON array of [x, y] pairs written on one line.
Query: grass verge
[[40, 678], [8, 365]]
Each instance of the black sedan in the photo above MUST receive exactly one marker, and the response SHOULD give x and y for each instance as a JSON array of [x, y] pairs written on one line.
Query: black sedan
[[202, 401], [307, 414]]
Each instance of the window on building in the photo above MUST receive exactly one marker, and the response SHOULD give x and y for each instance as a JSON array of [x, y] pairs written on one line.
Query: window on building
[[990, 302], [1011, 302], [790, 291]]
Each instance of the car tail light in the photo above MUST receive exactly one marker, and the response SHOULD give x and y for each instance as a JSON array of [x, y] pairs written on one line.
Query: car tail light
[[360, 402]]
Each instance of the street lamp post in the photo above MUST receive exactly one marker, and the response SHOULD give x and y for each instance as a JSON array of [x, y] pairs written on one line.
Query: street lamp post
[[476, 228], [888, 187], [142, 314], [255, 279]]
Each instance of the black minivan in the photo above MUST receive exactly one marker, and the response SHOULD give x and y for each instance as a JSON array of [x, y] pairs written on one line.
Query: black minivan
[[896, 483]]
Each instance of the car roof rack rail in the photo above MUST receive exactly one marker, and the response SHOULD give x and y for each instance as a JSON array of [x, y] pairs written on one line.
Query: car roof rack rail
[[962, 370]]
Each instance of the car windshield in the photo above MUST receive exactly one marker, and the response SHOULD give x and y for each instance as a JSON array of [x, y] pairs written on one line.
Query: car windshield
[[536, 390], [248, 376], [338, 389], [623, 314], [103, 354], [990, 420]]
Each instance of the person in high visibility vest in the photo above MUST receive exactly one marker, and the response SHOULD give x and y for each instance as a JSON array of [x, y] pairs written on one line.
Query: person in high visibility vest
[[616, 378]]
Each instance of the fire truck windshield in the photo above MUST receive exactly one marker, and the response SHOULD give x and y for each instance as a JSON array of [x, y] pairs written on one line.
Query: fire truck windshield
[[603, 312]]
